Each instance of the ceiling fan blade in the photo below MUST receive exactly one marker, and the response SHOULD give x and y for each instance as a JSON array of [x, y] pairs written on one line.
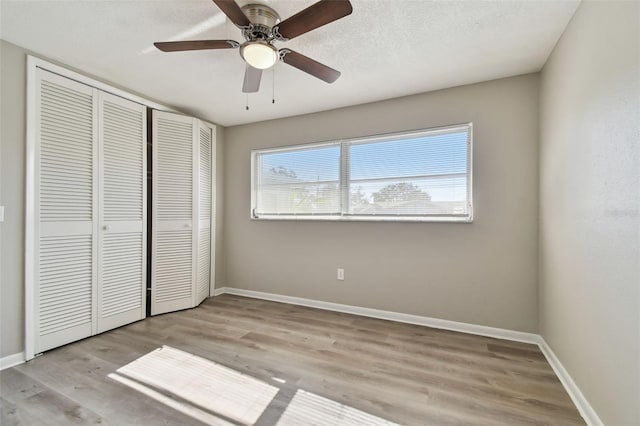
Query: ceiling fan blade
[[233, 12], [178, 46], [316, 15], [308, 65], [252, 78]]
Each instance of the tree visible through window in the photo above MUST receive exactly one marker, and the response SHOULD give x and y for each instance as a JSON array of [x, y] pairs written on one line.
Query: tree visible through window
[[423, 175]]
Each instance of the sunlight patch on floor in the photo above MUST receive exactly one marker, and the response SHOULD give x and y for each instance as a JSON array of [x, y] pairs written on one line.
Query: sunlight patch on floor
[[307, 408], [197, 387]]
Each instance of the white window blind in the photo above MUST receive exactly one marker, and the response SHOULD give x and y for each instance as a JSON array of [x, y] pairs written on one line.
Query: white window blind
[[414, 176], [300, 181]]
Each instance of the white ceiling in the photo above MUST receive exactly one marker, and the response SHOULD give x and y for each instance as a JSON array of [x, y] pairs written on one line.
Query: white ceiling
[[384, 49]]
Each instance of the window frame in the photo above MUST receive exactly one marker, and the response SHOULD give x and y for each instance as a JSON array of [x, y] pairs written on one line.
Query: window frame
[[344, 178]]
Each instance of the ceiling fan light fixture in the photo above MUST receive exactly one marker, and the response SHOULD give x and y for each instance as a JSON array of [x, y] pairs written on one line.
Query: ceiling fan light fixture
[[261, 28], [259, 54]]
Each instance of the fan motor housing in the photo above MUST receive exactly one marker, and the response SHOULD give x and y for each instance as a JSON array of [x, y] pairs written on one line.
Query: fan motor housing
[[261, 15]]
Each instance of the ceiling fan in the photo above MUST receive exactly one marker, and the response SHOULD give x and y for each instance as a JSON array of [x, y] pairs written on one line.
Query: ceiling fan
[[261, 27]]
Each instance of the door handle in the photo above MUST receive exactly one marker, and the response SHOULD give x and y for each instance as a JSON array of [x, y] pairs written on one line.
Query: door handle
[[107, 227]]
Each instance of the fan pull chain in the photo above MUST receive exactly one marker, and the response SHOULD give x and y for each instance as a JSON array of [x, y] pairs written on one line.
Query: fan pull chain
[[246, 77], [273, 85]]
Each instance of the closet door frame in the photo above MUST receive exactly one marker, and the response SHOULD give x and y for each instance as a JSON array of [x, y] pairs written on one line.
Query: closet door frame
[[32, 177], [213, 215]]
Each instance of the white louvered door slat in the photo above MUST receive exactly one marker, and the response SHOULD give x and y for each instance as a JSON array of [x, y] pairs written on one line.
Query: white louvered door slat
[[65, 283], [173, 238], [122, 227], [204, 213], [65, 211]]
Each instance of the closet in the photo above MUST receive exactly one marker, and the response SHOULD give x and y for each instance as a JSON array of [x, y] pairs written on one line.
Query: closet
[[86, 243], [89, 211], [182, 205]]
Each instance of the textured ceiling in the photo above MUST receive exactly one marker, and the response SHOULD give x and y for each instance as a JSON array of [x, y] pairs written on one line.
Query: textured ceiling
[[384, 49]]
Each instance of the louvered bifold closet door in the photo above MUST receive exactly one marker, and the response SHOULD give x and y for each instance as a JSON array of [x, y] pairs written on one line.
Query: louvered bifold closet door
[[173, 260], [122, 220], [204, 212], [65, 212]]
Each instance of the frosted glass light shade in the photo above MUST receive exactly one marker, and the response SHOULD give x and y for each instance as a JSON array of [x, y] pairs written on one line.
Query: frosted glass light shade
[[259, 55]]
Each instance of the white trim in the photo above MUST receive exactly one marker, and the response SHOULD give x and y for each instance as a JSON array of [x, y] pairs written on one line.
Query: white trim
[[481, 330], [35, 62], [470, 172], [212, 214], [586, 410], [11, 360], [30, 203]]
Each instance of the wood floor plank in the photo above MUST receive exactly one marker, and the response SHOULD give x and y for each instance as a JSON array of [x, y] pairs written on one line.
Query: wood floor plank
[[16, 386], [48, 408], [400, 373]]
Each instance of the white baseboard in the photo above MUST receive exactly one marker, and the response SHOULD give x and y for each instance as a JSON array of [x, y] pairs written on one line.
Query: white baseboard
[[481, 330], [583, 406], [218, 291], [586, 410], [11, 360]]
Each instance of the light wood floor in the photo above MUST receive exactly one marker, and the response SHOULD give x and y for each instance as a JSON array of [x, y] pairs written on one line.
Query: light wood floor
[[401, 373]]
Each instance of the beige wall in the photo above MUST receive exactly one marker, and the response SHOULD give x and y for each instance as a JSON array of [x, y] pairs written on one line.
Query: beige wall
[[482, 273], [13, 63], [590, 206], [12, 195]]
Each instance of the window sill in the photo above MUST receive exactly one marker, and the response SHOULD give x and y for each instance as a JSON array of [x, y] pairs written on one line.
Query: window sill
[[345, 218]]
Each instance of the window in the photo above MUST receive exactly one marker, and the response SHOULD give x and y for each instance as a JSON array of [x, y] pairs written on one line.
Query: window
[[422, 175]]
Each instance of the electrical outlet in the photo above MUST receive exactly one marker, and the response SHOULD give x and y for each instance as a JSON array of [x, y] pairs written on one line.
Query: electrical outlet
[[340, 274]]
